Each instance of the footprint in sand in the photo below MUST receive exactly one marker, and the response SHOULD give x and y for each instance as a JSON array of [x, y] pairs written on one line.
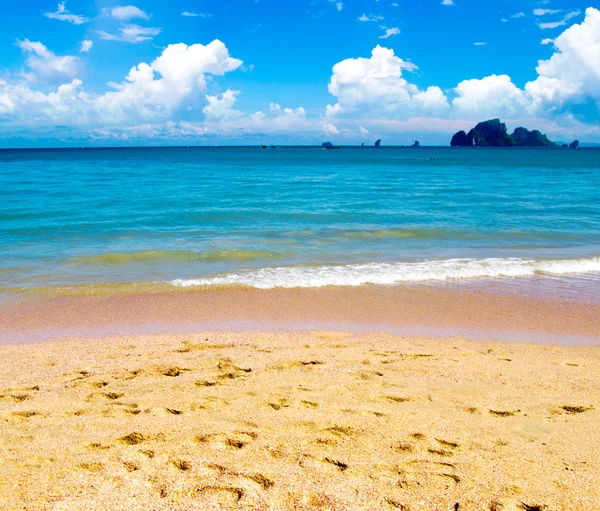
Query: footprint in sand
[[130, 466], [92, 466], [237, 440], [221, 495], [328, 465], [341, 431], [264, 482], [132, 439], [572, 410], [402, 447], [182, 465], [504, 413], [25, 414], [163, 411], [230, 371], [447, 443]]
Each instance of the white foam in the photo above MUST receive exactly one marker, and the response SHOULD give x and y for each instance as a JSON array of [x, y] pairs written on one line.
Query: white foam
[[396, 272]]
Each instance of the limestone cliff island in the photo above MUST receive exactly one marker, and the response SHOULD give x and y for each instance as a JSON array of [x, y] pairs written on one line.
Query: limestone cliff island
[[493, 133]]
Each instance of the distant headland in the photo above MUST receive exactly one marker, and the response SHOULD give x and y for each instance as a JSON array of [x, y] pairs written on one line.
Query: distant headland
[[493, 133]]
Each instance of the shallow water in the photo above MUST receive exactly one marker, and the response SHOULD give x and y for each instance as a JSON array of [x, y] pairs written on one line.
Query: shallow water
[[298, 216]]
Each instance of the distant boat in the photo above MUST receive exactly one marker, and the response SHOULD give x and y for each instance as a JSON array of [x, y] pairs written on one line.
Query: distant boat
[[333, 147], [264, 146]]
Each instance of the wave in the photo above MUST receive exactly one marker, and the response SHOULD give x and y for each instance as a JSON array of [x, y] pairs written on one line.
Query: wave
[[117, 258], [395, 272]]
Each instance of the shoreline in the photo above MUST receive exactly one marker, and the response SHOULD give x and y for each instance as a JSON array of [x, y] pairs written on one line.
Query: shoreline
[[401, 310]]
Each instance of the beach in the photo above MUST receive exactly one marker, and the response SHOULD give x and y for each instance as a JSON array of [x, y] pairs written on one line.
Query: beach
[[314, 420], [299, 329]]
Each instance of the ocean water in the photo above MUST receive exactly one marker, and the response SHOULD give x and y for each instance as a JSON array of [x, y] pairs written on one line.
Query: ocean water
[[298, 216]]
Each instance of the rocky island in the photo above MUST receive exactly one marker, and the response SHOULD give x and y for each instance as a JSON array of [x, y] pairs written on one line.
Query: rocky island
[[493, 133]]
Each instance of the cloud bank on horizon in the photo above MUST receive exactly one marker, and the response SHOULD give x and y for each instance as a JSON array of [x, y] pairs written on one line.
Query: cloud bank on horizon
[[200, 93]]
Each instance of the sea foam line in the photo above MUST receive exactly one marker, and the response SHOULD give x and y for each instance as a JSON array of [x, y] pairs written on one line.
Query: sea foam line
[[395, 272]]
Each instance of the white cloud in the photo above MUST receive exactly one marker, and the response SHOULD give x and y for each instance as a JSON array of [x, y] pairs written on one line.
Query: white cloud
[[363, 131], [189, 14], [572, 74], [560, 23], [370, 17], [372, 93], [543, 12], [338, 5], [548, 40], [492, 96], [518, 15], [46, 64], [149, 93], [375, 85], [389, 32], [63, 14], [220, 106], [447, 2], [131, 34], [480, 43], [330, 129], [128, 12], [86, 46]]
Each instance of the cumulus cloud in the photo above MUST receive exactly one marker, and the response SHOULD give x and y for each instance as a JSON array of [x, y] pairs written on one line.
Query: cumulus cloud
[[62, 14], [572, 74], [492, 96], [376, 85], [373, 94], [131, 33], [86, 46], [149, 93], [128, 12], [220, 106], [447, 2], [330, 129], [45, 64]]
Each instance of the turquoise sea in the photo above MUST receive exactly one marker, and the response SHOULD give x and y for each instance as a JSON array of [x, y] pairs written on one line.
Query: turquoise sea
[[297, 216]]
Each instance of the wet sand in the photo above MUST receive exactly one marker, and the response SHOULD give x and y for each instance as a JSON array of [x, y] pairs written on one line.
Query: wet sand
[[312, 421], [423, 310]]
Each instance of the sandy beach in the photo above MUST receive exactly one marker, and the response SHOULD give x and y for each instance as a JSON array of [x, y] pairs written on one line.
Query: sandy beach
[[318, 420]]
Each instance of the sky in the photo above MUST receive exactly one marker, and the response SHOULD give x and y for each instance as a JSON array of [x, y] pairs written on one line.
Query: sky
[[202, 72]]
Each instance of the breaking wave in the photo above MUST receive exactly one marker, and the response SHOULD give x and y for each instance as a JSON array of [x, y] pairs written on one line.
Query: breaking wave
[[395, 272]]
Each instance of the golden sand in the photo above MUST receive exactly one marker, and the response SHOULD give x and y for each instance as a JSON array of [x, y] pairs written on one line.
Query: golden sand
[[321, 420]]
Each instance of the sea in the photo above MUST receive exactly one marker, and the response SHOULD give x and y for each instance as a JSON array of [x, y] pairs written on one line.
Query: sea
[[520, 219]]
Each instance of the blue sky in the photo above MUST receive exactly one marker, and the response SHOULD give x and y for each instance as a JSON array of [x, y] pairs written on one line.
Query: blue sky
[[186, 72]]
